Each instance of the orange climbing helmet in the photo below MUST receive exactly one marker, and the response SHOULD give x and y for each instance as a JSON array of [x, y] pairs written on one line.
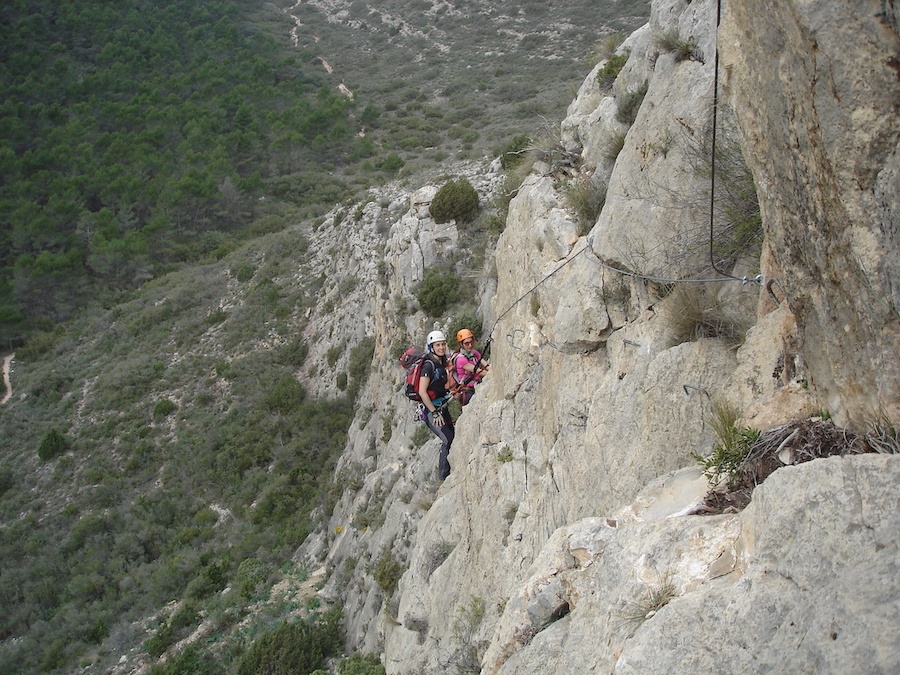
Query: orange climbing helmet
[[464, 334]]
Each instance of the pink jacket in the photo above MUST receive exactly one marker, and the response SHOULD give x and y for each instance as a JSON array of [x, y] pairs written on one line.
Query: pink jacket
[[463, 375]]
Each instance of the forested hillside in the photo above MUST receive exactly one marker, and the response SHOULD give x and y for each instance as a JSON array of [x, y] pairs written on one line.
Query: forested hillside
[[136, 136]]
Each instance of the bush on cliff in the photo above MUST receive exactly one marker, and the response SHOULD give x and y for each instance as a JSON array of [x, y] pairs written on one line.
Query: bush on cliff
[[456, 200]]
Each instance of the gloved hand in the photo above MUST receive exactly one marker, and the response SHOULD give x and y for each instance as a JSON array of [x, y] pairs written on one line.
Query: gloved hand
[[437, 419]]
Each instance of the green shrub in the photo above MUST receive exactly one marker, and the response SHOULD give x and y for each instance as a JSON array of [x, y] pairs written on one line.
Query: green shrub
[[285, 396], [169, 632], [38, 343], [164, 407], [87, 527], [611, 69], [190, 661], [215, 317], [360, 664], [437, 291], [387, 573], [456, 200], [294, 353], [733, 448], [628, 105], [513, 154], [473, 323], [55, 655], [164, 637], [225, 370], [360, 364], [293, 647], [6, 481], [421, 436], [251, 572], [391, 164], [244, 273], [210, 579], [333, 354], [53, 445]]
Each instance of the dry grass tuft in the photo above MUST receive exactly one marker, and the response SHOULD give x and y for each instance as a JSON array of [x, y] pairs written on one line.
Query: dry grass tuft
[[695, 313]]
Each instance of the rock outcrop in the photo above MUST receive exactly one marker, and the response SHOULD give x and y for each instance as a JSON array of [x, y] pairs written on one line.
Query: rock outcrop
[[801, 581], [525, 556], [823, 144]]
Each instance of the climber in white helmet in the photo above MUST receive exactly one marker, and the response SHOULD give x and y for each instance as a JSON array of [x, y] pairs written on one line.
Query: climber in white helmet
[[433, 390]]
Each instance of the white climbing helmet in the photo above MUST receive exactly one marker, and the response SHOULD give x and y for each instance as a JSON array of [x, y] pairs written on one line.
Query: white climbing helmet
[[435, 336]]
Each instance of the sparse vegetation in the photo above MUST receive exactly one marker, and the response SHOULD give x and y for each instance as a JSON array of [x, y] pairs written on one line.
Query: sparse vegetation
[[611, 69], [360, 664], [606, 47], [733, 448], [514, 153], [614, 145], [421, 436], [883, 436], [586, 197], [747, 458], [468, 653], [655, 597], [436, 556], [671, 42], [387, 573], [738, 232], [628, 105], [694, 313]]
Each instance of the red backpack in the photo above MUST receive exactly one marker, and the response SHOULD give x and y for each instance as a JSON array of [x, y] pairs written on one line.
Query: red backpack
[[412, 360]]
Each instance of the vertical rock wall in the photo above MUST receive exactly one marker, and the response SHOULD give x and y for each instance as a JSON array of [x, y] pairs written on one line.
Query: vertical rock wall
[[815, 88]]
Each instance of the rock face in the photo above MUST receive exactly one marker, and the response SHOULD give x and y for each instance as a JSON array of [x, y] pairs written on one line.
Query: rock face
[[598, 396], [823, 144], [801, 581]]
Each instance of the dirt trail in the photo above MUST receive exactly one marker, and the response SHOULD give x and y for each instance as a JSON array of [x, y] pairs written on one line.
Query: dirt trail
[[7, 385], [295, 40]]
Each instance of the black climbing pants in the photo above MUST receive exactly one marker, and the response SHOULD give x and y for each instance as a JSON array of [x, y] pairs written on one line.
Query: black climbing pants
[[445, 433]]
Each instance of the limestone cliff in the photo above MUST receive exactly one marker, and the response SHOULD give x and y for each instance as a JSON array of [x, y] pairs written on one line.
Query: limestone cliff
[[543, 545]]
